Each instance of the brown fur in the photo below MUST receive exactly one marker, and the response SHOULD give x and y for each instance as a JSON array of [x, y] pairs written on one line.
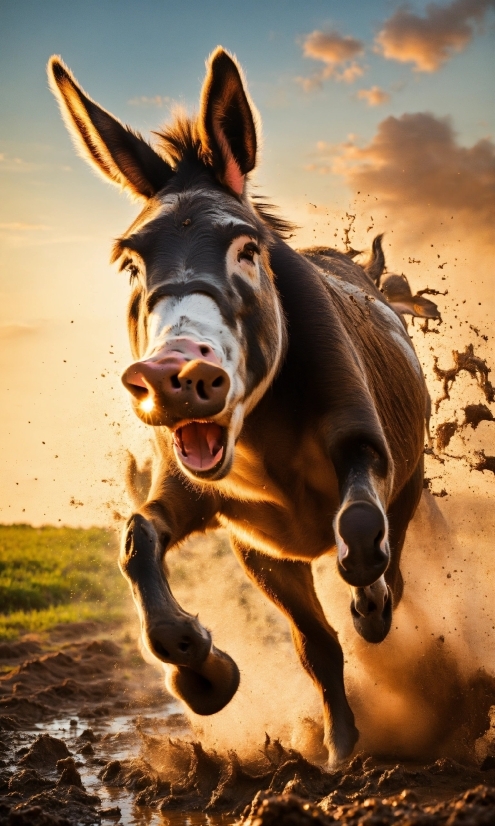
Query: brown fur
[[331, 453]]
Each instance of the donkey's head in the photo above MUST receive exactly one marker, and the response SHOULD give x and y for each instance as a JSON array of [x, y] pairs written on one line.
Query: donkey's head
[[205, 323]]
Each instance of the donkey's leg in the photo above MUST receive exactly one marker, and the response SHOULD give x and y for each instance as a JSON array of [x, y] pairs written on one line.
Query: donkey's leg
[[372, 606], [290, 586], [205, 678], [360, 524]]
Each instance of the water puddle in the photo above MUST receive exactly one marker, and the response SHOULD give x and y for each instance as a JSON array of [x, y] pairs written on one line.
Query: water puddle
[[116, 738]]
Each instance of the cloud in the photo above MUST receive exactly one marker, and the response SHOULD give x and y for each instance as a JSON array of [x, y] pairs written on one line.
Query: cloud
[[350, 73], [14, 226], [16, 329], [335, 51], [431, 40], [374, 96], [158, 101], [415, 166], [315, 80], [331, 47], [8, 164]]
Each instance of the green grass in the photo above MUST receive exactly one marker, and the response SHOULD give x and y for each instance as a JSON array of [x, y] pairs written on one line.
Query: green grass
[[52, 575]]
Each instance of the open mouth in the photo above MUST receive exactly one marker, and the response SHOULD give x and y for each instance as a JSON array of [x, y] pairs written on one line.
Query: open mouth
[[200, 445]]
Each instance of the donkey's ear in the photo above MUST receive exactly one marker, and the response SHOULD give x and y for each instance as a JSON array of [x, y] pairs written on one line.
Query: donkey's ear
[[113, 149], [226, 123]]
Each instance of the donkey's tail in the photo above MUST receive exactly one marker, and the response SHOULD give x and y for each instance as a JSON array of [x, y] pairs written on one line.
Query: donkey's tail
[[376, 265], [138, 480]]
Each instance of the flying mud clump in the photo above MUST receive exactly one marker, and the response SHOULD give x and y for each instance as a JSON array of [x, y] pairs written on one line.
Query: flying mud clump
[[472, 364], [474, 414]]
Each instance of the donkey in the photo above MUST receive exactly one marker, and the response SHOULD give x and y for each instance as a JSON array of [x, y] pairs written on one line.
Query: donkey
[[285, 397]]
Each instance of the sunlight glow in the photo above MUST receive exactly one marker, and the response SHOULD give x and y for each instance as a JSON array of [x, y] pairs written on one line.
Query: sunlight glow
[[147, 404]]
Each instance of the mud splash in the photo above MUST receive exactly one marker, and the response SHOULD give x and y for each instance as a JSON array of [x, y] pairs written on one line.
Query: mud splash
[[81, 742], [469, 362]]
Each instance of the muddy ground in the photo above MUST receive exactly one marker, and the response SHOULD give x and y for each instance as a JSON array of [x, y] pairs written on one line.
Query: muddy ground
[[88, 735]]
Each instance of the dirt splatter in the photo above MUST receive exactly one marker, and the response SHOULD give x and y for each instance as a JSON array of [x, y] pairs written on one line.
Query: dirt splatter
[[347, 230], [428, 291], [485, 462], [472, 364], [444, 433], [475, 414], [425, 327]]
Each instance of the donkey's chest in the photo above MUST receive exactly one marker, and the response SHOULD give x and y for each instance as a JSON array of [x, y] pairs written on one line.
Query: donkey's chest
[[288, 513]]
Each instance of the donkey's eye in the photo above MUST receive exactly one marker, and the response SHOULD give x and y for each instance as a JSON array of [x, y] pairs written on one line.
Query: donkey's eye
[[248, 252], [133, 271]]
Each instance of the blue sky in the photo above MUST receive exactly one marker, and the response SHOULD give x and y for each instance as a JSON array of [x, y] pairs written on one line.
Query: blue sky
[[57, 219], [124, 51]]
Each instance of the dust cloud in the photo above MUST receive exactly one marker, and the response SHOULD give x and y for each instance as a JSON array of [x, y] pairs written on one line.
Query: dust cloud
[[275, 694], [424, 693]]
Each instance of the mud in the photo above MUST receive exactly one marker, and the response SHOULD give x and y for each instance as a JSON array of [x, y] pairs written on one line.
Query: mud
[[474, 808], [444, 433], [469, 362], [88, 735], [474, 414], [485, 462]]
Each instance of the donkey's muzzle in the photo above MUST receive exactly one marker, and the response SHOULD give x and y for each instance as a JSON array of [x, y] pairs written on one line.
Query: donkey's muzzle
[[183, 382]]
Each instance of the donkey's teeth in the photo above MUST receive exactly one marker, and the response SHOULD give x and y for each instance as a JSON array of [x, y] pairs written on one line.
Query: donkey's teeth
[[214, 438]]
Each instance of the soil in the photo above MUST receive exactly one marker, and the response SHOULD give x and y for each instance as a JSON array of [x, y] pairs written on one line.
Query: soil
[[88, 735]]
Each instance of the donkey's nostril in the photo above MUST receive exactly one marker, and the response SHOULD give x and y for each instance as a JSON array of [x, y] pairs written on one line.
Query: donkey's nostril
[[200, 390], [138, 390], [174, 381], [217, 382], [204, 350], [160, 649], [379, 537], [184, 646]]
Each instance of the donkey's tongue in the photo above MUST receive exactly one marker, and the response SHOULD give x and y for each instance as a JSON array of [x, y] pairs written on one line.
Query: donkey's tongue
[[200, 444]]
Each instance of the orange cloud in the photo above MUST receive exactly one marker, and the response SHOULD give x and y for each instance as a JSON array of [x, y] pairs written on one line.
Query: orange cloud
[[374, 96], [331, 47], [415, 166], [429, 41], [22, 226], [156, 100], [16, 329], [335, 51]]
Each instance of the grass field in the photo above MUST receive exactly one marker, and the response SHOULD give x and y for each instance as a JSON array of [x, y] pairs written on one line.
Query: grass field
[[53, 575]]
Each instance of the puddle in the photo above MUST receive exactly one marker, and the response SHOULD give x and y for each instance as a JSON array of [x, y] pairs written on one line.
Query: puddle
[[116, 738]]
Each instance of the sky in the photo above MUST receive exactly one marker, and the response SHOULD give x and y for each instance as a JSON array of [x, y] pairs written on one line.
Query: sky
[[376, 117]]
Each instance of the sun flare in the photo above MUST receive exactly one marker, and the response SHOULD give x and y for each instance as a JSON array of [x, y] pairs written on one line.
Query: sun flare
[[147, 405]]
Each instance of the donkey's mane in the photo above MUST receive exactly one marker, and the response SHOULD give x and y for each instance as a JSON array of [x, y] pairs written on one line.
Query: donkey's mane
[[268, 213], [180, 141], [180, 144]]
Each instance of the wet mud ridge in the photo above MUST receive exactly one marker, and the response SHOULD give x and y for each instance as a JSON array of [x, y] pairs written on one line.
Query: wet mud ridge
[[82, 743], [64, 709]]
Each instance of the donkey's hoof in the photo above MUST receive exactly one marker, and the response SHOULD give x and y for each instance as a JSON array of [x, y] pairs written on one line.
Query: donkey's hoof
[[341, 746], [375, 626]]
